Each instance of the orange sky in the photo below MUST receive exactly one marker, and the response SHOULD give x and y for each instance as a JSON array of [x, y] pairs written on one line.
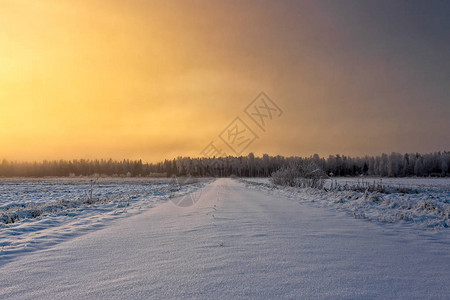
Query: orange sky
[[155, 80]]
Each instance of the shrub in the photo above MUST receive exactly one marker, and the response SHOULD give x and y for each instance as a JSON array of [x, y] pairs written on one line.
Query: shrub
[[300, 174]]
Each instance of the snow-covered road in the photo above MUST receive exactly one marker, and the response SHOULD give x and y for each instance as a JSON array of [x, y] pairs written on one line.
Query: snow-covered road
[[233, 243]]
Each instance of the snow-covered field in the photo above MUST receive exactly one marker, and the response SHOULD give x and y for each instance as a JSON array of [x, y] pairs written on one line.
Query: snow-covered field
[[37, 213], [415, 184], [425, 202], [419, 184], [241, 239]]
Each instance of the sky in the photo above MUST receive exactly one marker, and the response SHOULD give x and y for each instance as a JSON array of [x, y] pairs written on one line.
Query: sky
[[160, 79]]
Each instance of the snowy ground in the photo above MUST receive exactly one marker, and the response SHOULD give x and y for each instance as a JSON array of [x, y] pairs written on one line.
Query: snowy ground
[[425, 202], [239, 240], [416, 183], [413, 183], [37, 213]]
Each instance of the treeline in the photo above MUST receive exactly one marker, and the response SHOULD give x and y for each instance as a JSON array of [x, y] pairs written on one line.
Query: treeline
[[435, 164], [392, 165]]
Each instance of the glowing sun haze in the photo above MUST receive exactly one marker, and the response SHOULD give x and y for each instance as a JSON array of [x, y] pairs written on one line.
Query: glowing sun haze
[[160, 79]]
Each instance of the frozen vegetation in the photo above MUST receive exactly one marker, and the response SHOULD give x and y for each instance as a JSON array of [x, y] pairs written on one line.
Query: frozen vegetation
[[422, 202], [435, 164]]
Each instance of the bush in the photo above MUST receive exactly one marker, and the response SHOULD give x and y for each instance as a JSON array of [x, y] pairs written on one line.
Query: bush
[[300, 174]]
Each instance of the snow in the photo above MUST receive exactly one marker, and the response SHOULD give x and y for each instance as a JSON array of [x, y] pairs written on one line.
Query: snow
[[427, 206], [421, 184], [239, 240], [37, 213]]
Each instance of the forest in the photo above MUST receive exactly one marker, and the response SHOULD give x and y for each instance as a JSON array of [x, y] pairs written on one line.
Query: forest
[[435, 164]]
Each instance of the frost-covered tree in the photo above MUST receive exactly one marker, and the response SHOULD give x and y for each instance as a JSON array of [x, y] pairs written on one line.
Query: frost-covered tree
[[383, 166], [445, 161], [418, 167], [371, 166], [432, 164], [394, 163]]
